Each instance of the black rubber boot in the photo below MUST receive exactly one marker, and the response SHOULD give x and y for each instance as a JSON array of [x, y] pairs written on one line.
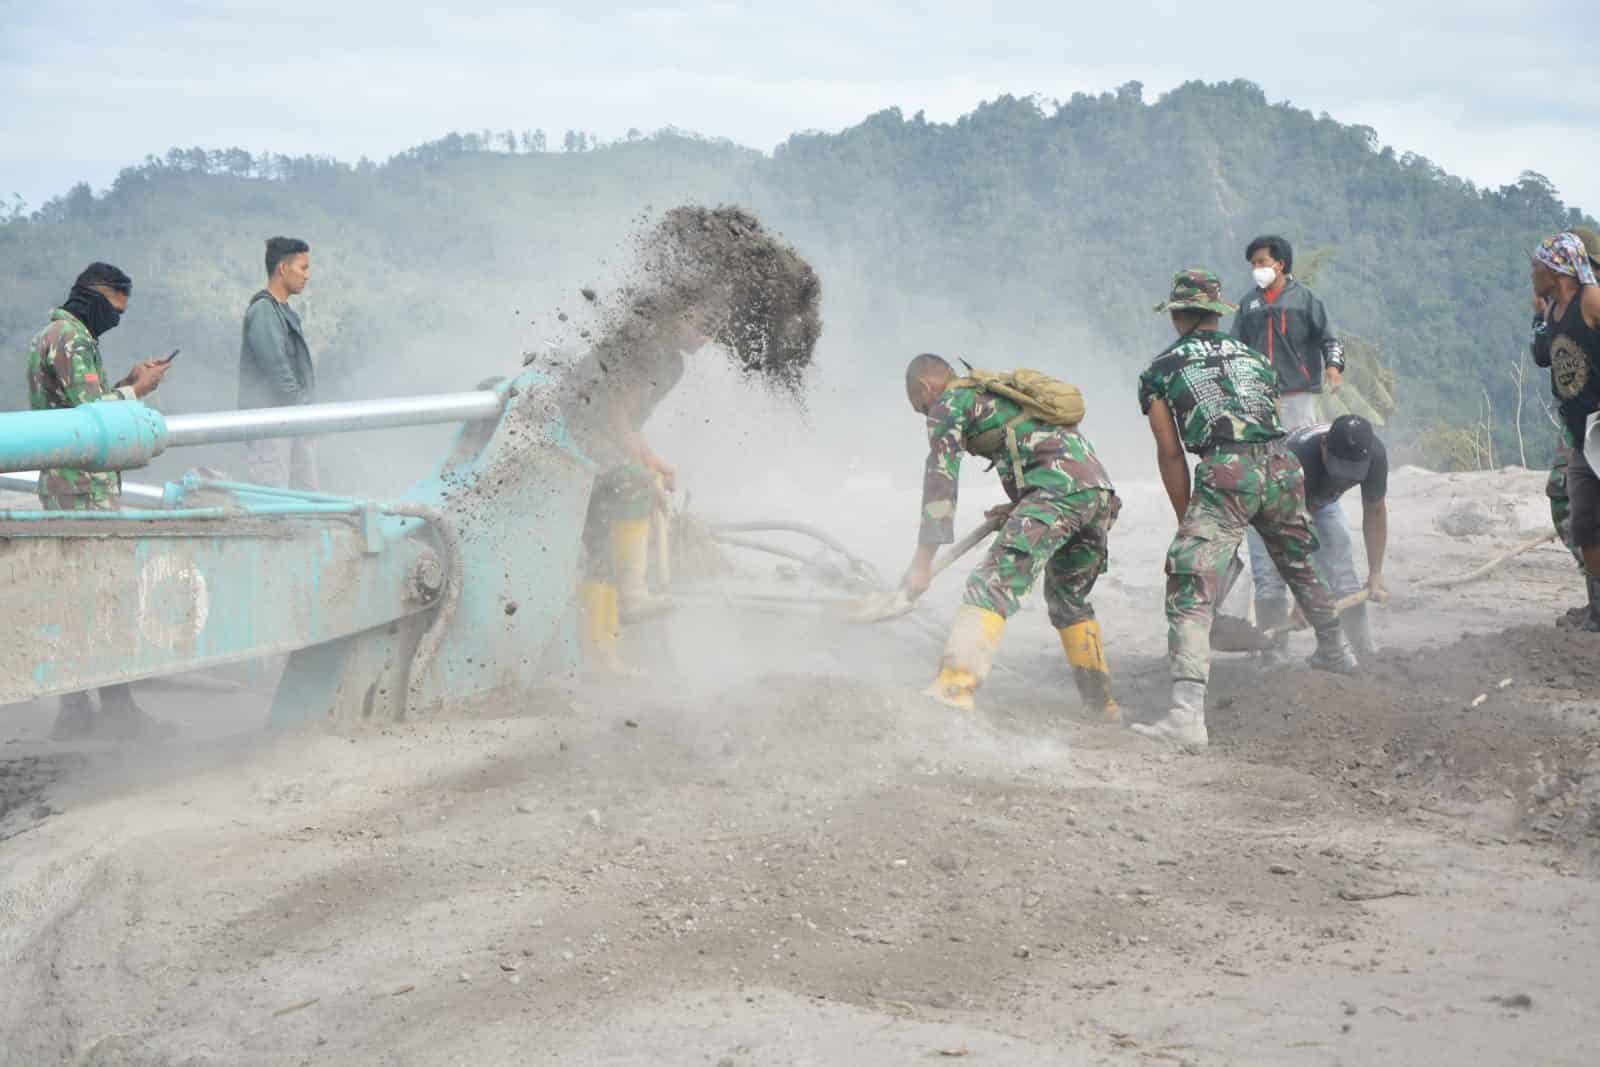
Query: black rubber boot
[[1358, 628], [1271, 613], [121, 719], [1591, 622], [75, 719], [1333, 652]]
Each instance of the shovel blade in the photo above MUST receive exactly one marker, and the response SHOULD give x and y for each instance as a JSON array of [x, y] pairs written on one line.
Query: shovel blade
[[1229, 633], [879, 607]]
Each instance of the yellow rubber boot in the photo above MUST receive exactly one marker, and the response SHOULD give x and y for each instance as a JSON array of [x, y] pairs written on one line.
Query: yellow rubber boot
[[630, 562], [1087, 656], [968, 655], [597, 604]]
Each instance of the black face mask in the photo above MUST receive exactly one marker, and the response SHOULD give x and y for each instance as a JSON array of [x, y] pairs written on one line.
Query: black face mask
[[92, 309]]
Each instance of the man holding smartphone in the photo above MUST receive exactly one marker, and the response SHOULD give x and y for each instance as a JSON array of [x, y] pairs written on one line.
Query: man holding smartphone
[[275, 368], [64, 371]]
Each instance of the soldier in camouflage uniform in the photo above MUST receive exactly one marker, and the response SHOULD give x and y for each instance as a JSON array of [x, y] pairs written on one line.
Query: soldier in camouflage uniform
[[64, 371], [1218, 398], [1057, 525]]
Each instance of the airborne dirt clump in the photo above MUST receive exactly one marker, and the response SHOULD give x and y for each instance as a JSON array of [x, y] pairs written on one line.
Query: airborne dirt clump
[[719, 269]]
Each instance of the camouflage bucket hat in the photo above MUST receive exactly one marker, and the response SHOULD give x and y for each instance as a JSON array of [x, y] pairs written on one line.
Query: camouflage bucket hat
[[1196, 289]]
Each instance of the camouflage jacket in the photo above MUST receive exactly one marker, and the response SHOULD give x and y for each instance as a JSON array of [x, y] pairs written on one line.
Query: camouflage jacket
[[1220, 389], [1054, 459], [64, 370]]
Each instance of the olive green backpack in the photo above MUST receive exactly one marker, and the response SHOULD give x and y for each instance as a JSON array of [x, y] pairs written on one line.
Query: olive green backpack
[[1041, 397]]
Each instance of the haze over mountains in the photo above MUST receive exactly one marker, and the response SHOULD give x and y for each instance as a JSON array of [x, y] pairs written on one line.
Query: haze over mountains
[[1021, 234]]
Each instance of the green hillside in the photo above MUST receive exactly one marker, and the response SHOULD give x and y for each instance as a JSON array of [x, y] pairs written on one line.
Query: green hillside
[[1040, 234]]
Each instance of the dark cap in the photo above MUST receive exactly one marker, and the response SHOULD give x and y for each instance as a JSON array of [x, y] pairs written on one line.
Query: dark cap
[[1349, 448], [107, 275]]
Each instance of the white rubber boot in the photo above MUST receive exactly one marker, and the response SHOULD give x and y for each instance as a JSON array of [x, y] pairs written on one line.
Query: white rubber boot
[[1185, 724]]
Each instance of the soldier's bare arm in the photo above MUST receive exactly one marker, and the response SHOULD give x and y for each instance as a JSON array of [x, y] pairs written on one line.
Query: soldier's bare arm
[[941, 476], [1591, 305], [1375, 534], [1169, 456]]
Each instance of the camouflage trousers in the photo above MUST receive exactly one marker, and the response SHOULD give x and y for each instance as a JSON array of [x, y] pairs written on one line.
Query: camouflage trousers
[[1063, 535], [1251, 485], [1560, 503], [620, 493], [79, 502]]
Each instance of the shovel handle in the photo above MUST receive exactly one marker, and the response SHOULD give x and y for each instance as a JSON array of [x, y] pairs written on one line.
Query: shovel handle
[[1342, 604], [966, 544]]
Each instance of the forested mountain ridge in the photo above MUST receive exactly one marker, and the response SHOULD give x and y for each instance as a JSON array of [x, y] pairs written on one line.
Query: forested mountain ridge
[[1025, 232]]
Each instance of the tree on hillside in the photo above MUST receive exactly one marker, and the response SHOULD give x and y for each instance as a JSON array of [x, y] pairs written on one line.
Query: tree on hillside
[[1026, 228]]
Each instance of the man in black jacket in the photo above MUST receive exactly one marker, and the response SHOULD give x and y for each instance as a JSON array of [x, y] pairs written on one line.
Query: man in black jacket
[[1284, 321], [275, 368]]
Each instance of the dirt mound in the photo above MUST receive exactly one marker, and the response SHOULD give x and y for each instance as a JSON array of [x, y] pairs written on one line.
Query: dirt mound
[[1514, 714], [24, 784]]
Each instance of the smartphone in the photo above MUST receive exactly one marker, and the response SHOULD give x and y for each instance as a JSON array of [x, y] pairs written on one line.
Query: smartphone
[[170, 356]]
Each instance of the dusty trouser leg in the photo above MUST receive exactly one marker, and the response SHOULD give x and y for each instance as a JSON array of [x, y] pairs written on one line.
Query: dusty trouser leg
[[631, 496], [598, 598], [119, 717], [270, 461], [1299, 409], [1271, 598], [1039, 525], [1336, 562], [1069, 579], [75, 716], [1286, 530], [1583, 487], [303, 465], [1555, 488], [1226, 494]]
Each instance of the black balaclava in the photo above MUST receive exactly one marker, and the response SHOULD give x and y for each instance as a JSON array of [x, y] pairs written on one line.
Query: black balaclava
[[89, 306]]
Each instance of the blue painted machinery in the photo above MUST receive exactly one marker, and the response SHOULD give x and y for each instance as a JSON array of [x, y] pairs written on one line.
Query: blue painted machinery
[[459, 591]]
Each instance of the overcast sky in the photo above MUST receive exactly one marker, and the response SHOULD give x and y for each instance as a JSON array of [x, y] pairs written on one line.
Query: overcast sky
[[1484, 89]]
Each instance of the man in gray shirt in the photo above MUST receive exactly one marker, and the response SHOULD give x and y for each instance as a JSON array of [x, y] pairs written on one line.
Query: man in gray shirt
[[275, 367]]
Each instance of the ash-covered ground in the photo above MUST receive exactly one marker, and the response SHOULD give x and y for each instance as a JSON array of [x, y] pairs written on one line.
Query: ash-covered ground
[[771, 850]]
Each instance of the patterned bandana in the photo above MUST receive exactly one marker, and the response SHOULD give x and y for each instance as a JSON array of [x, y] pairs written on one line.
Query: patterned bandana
[[1564, 253]]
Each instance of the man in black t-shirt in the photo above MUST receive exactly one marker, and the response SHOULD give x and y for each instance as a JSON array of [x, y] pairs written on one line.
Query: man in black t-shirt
[[1336, 458]]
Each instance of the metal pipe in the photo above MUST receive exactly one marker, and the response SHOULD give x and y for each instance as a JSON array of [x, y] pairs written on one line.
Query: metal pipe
[[28, 482], [221, 427], [100, 437], [46, 518]]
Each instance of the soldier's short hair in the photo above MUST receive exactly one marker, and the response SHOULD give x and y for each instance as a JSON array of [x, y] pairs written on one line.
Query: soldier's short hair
[[1281, 250], [281, 248], [926, 366]]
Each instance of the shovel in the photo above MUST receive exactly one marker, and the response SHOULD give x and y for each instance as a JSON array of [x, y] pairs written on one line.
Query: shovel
[[1229, 633], [893, 603]]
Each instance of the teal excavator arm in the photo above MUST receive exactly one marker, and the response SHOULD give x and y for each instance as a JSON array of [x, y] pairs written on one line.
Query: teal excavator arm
[[460, 592]]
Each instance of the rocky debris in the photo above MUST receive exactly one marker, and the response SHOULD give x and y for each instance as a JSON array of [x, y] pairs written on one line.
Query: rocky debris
[[1517, 1001], [1474, 518]]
